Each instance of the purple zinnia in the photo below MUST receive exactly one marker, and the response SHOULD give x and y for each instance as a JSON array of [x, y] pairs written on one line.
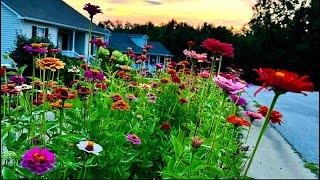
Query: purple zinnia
[[238, 100], [134, 139], [92, 9], [152, 97], [18, 79], [94, 75], [39, 161], [30, 49]]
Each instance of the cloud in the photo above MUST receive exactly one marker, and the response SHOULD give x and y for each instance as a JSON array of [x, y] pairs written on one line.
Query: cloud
[[154, 2], [118, 1]]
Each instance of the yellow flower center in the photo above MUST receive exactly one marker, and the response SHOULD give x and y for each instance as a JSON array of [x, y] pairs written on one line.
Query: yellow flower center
[[280, 74]]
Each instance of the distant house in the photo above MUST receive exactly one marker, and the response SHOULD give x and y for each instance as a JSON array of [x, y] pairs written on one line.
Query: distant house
[[63, 25], [121, 41]]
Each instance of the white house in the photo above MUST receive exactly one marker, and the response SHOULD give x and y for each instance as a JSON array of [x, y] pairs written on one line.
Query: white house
[[121, 41], [63, 25]]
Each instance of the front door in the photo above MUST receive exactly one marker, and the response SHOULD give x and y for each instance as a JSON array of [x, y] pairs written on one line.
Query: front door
[[63, 40]]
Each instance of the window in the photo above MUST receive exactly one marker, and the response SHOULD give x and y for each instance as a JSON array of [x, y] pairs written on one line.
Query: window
[[40, 31]]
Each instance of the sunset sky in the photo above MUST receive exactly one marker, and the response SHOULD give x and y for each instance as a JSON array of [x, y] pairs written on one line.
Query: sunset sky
[[219, 12]]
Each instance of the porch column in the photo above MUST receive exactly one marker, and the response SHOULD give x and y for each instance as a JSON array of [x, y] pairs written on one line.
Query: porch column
[[73, 39]]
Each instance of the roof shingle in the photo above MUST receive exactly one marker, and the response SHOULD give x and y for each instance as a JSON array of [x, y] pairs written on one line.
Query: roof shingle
[[55, 11]]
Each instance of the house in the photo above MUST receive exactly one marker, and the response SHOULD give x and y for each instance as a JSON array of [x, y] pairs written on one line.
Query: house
[[63, 25], [157, 54]]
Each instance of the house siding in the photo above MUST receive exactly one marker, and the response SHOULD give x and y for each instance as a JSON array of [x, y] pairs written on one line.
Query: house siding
[[27, 30], [80, 42], [10, 27]]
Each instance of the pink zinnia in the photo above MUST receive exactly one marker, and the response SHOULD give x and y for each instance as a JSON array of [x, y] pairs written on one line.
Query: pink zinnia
[[205, 74], [134, 139], [38, 161], [253, 115], [159, 66], [229, 85]]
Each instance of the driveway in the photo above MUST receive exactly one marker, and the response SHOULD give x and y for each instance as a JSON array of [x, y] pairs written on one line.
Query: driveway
[[300, 127]]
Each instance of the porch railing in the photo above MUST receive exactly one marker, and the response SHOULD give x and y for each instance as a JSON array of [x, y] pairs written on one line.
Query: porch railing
[[70, 53]]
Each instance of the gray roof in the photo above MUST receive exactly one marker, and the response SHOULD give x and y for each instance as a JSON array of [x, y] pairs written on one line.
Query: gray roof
[[53, 11], [121, 41]]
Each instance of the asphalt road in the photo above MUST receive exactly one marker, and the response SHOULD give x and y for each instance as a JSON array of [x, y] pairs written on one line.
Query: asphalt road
[[300, 125]]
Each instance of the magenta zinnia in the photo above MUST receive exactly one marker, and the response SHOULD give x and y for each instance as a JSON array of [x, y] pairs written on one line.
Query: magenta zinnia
[[134, 139], [228, 85], [39, 161]]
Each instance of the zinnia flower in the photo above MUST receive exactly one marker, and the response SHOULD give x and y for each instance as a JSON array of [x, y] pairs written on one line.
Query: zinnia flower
[[228, 85], [120, 105], [58, 104], [159, 66], [90, 147], [92, 9], [63, 94], [183, 100], [74, 69], [94, 75], [154, 84], [101, 86], [238, 121], [275, 116], [238, 100], [98, 42], [125, 67], [190, 43], [116, 97], [196, 142], [50, 63], [38, 161], [3, 71], [253, 115], [175, 79], [282, 81], [164, 81], [83, 92], [216, 47], [144, 86], [165, 126], [205, 74], [131, 97], [18, 79], [134, 139]]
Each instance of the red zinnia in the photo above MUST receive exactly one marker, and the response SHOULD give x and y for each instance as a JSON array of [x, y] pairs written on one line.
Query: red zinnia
[[216, 47], [275, 117], [283, 81], [238, 121], [175, 79], [3, 71], [183, 100], [63, 94], [165, 126]]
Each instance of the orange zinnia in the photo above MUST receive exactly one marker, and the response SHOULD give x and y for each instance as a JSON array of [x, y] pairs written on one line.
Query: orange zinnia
[[238, 121], [50, 63], [58, 104], [120, 105]]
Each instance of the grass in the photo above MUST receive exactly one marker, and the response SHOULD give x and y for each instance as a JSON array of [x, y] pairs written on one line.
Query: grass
[[314, 167]]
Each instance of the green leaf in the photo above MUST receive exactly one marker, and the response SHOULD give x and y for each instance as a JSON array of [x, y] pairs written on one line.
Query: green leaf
[[4, 131], [70, 137], [8, 173], [177, 147], [21, 69], [8, 155], [24, 172]]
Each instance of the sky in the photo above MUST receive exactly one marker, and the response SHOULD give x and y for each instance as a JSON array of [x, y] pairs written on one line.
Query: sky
[[228, 13]]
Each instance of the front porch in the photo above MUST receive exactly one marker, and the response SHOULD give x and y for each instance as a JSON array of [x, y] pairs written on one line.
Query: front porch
[[73, 43]]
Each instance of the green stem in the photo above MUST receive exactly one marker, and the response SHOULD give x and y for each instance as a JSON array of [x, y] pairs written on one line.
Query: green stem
[[220, 62], [264, 127], [220, 110], [61, 116]]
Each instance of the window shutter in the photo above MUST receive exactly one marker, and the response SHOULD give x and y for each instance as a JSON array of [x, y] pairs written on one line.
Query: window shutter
[[46, 32], [34, 31]]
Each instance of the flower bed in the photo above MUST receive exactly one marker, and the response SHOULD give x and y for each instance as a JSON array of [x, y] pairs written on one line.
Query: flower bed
[[112, 122]]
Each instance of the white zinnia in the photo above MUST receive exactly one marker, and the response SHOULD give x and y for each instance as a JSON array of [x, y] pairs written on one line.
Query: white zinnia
[[90, 147]]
